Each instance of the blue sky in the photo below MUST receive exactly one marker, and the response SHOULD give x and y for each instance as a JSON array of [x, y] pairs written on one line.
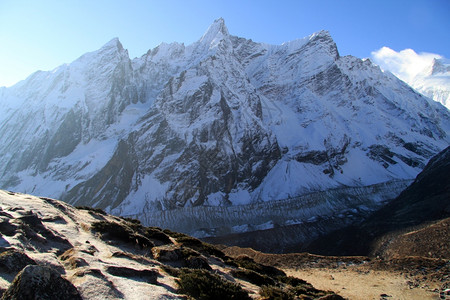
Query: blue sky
[[41, 35]]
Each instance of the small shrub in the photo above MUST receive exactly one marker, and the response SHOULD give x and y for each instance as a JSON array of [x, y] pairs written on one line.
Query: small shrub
[[75, 262], [175, 272], [113, 229], [188, 241], [195, 243], [180, 257], [172, 253], [292, 281], [253, 277], [300, 287], [275, 293], [131, 220], [211, 250], [230, 261], [248, 263], [156, 234], [121, 232], [174, 234], [197, 262], [133, 225], [188, 252], [203, 285], [92, 209], [198, 245]]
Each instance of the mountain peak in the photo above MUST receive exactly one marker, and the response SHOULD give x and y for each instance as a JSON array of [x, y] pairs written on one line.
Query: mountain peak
[[440, 66], [113, 44], [324, 39], [321, 33], [216, 32], [222, 122]]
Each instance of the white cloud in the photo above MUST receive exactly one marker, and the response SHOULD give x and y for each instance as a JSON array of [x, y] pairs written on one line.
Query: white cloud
[[405, 64]]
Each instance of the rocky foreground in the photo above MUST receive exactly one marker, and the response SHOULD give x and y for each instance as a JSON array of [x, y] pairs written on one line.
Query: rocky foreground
[[52, 250]]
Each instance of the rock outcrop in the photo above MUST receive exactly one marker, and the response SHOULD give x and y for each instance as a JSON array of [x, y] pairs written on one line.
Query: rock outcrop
[[117, 258], [40, 282]]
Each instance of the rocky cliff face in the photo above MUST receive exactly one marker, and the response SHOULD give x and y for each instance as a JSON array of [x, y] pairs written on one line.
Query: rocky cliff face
[[224, 121]]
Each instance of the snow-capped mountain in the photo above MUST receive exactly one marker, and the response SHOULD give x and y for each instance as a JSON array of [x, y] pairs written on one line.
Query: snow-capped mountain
[[434, 81], [223, 122]]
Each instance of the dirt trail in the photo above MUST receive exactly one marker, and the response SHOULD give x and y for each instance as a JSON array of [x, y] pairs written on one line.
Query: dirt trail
[[358, 285]]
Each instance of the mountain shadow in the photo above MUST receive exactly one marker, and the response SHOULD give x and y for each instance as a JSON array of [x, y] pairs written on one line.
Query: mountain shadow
[[415, 223]]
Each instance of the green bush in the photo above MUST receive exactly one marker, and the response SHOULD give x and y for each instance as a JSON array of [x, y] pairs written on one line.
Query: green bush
[[253, 277], [174, 234], [91, 209], [300, 287], [131, 220], [156, 234], [121, 232], [172, 271], [230, 261], [292, 281], [198, 245], [275, 293], [203, 285], [248, 263]]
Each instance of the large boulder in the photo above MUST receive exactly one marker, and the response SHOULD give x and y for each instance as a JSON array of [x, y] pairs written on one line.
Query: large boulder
[[40, 282], [13, 260]]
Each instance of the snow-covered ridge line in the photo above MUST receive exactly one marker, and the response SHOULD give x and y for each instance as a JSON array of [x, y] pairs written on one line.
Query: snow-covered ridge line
[[223, 121], [215, 221], [428, 73]]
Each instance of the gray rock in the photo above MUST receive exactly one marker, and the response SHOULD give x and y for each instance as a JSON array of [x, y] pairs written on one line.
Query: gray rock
[[39, 282], [12, 261]]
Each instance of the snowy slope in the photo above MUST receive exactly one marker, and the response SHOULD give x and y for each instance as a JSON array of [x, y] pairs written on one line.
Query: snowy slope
[[428, 73], [223, 121], [434, 81]]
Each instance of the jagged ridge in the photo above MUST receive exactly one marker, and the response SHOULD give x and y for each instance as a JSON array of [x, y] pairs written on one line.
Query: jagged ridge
[[224, 121]]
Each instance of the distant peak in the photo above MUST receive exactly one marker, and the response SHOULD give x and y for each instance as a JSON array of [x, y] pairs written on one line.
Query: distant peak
[[324, 39], [217, 29], [220, 25], [440, 66], [114, 43], [324, 34], [320, 36]]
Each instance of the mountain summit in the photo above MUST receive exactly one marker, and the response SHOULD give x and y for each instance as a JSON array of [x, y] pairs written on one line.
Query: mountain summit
[[224, 124], [216, 32], [434, 81]]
